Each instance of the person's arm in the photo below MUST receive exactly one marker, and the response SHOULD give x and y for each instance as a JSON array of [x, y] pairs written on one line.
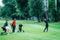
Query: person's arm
[[7, 24], [11, 24]]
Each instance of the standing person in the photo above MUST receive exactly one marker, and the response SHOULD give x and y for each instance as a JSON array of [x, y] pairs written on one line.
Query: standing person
[[13, 25], [46, 27]]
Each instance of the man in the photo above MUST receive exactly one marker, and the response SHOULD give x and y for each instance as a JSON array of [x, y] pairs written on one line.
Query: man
[[5, 25], [13, 25], [46, 28], [4, 28]]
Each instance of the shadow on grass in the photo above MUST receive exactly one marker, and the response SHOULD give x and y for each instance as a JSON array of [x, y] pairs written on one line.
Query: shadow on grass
[[2, 34]]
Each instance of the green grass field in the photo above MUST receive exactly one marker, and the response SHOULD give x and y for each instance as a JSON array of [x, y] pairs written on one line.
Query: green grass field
[[33, 31]]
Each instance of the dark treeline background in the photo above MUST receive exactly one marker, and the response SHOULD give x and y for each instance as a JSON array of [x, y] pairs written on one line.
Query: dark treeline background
[[29, 10]]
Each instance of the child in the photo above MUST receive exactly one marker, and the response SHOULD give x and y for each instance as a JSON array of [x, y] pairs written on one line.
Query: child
[[13, 25]]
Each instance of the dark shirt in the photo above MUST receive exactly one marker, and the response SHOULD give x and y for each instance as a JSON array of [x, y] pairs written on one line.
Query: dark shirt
[[6, 24]]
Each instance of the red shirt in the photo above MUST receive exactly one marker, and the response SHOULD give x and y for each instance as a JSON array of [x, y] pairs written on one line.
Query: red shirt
[[14, 23]]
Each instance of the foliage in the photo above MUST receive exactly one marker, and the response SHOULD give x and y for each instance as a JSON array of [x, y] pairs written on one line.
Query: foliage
[[36, 8], [25, 9], [8, 9]]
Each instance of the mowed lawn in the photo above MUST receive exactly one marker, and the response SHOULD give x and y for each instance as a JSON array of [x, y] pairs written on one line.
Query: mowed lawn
[[32, 31]]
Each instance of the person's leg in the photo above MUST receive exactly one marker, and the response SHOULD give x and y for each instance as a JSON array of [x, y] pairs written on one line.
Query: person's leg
[[4, 29], [14, 29], [44, 29], [47, 28]]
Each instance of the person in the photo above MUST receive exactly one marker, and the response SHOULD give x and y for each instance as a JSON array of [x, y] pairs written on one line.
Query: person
[[5, 25], [7, 29], [46, 27], [13, 25], [20, 28]]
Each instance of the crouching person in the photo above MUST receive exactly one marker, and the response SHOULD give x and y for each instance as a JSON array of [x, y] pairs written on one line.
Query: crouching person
[[20, 28], [4, 27], [7, 29]]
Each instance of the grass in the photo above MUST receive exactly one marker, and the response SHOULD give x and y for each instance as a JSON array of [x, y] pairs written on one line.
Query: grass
[[33, 31]]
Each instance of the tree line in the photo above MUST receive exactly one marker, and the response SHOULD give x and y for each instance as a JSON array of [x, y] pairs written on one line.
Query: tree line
[[29, 9]]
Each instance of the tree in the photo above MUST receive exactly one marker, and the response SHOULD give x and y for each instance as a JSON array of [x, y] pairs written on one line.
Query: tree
[[9, 8], [51, 9], [0, 10], [23, 8], [55, 12], [54, 9], [36, 8], [58, 9]]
